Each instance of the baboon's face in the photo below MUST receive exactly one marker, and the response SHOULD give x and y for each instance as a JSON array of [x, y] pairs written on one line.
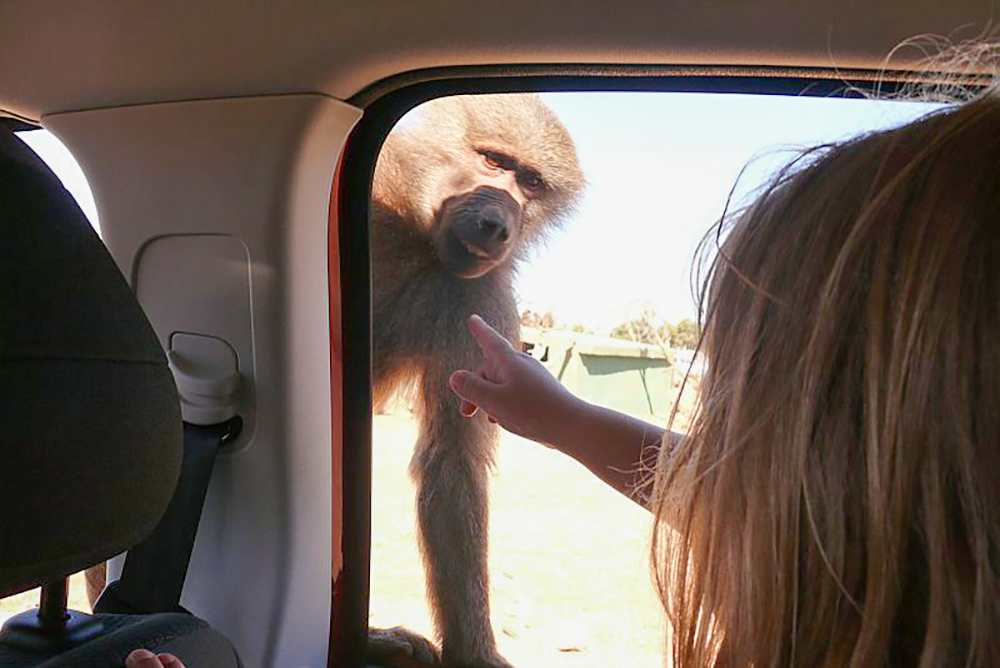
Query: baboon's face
[[479, 221]]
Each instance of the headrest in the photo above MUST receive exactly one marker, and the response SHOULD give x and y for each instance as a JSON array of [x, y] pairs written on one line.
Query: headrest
[[90, 426]]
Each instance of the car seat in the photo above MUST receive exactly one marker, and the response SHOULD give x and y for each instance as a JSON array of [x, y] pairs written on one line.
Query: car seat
[[90, 430]]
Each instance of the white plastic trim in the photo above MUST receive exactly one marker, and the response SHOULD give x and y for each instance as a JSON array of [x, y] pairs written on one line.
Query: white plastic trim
[[207, 374]]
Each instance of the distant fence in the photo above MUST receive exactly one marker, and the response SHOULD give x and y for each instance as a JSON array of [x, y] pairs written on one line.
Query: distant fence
[[634, 378]]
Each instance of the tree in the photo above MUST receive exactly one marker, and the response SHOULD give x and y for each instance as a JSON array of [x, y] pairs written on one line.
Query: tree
[[647, 328], [532, 319], [685, 334]]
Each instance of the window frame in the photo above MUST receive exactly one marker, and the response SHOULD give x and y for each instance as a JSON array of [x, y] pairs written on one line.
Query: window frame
[[384, 103]]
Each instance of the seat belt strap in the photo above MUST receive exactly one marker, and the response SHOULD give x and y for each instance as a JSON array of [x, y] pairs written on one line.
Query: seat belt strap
[[152, 578]]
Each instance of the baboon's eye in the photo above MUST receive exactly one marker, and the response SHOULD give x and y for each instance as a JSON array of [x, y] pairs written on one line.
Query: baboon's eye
[[531, 180], [496, 160]]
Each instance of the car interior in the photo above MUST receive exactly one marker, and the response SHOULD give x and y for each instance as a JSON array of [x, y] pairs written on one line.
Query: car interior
[[189, 396]]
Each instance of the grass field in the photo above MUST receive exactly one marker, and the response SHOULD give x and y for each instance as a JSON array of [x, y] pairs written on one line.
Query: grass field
[[568, 558]]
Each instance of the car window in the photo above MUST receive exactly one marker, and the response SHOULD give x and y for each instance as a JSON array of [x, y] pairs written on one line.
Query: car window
[[55, 154], [605, 302]]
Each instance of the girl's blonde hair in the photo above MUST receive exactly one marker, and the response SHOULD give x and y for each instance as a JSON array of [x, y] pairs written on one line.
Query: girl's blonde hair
[[837, 501]]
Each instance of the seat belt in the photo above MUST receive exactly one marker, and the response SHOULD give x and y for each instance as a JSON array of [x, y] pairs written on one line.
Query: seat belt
[[152, 579]]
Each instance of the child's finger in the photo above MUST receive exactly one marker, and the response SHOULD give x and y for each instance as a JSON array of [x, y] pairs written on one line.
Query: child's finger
[[489, 339], [471, 388]]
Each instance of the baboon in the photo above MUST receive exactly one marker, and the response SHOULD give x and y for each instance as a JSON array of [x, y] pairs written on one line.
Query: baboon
[[458, 199]]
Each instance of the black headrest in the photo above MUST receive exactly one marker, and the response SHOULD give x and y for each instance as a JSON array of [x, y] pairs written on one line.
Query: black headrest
[[90, 426]]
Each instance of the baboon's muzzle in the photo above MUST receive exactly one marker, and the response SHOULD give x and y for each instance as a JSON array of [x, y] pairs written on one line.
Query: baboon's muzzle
[[477, 230]]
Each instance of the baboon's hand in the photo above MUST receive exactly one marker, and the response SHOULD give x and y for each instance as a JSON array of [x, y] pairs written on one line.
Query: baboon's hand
[[401, 648], [514, 389]]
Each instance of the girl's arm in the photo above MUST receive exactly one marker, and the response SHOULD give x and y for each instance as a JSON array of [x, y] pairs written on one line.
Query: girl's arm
[[518, 393]]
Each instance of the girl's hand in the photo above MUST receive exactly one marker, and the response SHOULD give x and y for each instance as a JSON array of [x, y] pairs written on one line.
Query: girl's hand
[[514, 390]]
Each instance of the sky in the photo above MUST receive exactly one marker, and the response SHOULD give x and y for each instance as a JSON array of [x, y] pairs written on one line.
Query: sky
[[659, 168], [62, 162]]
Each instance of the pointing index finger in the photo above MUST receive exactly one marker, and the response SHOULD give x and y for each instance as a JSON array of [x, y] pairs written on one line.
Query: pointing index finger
[[489, 339]]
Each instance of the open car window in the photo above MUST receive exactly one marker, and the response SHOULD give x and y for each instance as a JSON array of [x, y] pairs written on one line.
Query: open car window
[[59, 159], [606, 303]]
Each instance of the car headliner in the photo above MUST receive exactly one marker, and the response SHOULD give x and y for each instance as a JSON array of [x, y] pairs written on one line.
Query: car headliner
[[62, 56]]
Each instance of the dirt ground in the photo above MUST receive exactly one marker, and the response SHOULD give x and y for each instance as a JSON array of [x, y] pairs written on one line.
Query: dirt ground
[[568, 558]]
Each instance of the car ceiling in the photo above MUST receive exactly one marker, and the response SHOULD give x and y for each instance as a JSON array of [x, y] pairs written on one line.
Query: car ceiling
[[64, 55]]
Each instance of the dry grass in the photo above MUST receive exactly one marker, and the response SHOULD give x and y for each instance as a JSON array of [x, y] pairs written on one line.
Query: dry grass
[[569, 557]]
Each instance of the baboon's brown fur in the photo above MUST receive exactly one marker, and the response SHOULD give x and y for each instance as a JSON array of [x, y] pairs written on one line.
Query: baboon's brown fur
[[419, 322]]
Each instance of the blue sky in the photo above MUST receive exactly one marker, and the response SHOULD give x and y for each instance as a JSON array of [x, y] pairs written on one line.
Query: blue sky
[[659, 167]]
